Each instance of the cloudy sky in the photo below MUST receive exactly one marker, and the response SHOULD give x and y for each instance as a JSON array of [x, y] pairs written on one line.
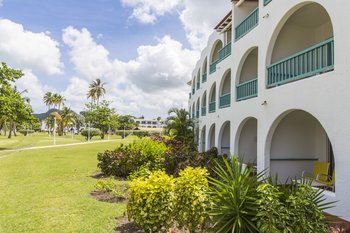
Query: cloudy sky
[[144, 50]]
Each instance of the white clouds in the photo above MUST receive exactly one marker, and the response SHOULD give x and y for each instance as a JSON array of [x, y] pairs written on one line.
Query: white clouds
[[28, 50], [35, 88], [152, 82], [199, 17], [147, 11]]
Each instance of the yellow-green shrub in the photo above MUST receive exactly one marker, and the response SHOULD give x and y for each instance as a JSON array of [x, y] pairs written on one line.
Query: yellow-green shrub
[[151, 201], [191, 198]]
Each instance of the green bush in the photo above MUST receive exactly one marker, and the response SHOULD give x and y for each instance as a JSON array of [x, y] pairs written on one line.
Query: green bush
[[142, 172], [127, 159], [93, 132], [112, 186], [272, 216], [151, 201], [191, 198]]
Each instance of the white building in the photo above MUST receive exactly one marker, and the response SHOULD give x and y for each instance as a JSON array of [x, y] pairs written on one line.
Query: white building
[[154, 124], [273, 85]]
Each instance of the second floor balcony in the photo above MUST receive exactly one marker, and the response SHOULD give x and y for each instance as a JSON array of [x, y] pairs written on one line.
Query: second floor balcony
[[212, 107], [225, 101], [247, 89], [312, 61], [250, 22]]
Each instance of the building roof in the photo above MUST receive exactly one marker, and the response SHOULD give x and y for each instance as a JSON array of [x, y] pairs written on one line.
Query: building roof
[[225, 23]]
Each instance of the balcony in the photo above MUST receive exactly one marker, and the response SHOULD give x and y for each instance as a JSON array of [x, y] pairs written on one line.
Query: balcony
[[212, 67], [198, 85], [247, 90], [204, 78], [212, 107], [225, 101], [193, 91], [225, 52], [250, 22], [204, 111], [197, 114], [267, 2], [312, 61], [189, 95]]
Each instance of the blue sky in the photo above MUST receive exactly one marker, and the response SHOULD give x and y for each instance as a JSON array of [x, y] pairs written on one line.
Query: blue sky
[[137, 47]]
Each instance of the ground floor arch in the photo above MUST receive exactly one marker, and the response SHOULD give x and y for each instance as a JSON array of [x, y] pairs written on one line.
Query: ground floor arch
[[247, 140], [211, 137], [297, 141], [224, 139]]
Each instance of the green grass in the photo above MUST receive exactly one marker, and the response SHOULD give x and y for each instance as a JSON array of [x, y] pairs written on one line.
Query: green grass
[[42, 139], [48, 190]]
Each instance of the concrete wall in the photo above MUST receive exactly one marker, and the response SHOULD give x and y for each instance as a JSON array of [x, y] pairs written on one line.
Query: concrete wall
[[323, 96]]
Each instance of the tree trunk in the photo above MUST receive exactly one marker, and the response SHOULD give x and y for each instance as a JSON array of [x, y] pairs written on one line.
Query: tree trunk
[[14, 129], [11, 125]]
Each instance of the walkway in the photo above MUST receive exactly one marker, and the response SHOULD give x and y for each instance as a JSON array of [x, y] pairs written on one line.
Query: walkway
[[52, 146]]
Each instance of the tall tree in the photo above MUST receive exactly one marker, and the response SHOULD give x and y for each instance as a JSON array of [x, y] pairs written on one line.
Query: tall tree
[[181, 126], [96, 90], [58, 100], [48, 99]]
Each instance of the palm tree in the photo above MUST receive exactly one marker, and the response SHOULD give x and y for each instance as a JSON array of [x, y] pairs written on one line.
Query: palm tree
[[181, 126], [48, 99], [96, 90], [57, 100], [67, 117]]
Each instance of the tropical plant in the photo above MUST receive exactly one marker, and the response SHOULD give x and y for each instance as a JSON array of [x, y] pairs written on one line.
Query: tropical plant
[[101, 116], [191, 198], [151, 202], [90, 133], [48, 99], [68, 118], [112, 186], [96, 90], [234, 197], [181, 126]]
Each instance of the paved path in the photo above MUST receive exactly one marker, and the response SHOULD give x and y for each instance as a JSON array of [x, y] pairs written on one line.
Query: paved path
[[54, 146]]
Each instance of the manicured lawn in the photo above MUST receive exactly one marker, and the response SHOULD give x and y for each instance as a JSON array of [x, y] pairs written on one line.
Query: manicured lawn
[[42, 139], [48, 190]]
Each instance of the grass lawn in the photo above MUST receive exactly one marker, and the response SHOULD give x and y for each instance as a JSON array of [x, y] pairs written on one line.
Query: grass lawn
[[42, 139], [48, 190]]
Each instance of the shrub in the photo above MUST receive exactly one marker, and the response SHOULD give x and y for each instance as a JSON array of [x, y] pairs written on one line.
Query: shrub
[[305, 207], [127, 159], [112, 186], [191, 198], [93, 132], [142, 172], [151, 201], [234, 197], [271, 216]]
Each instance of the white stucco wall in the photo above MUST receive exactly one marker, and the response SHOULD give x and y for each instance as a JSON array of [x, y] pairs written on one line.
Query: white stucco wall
[[325, 96]]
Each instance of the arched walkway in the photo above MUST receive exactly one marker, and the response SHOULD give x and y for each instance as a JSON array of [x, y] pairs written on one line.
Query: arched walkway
[[247, 141], [211, 137], [224, 139]]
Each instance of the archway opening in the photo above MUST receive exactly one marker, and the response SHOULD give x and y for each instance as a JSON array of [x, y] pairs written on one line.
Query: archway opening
[[212, 99], [247, 144], [205, 70], [298, 142], [225, 91], [211, 137], [247, 86], [225, 139], [204, 104], [203, 143], [304, 46]]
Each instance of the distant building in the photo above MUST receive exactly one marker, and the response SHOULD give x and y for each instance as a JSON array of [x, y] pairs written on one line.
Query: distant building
[[154, 124]]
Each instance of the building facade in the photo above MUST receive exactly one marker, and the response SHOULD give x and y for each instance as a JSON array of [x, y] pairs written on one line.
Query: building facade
[[273, 85], [148, 124]]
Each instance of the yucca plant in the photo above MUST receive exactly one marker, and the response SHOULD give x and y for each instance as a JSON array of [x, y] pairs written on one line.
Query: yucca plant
[[234, 197]]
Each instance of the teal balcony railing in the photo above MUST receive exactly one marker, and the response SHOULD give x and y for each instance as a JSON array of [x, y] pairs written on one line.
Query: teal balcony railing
[[247, 90], [204, 111], [225, 52], [197, 114], [189, 95], [198, 85], [212, 107], [204, 78], [212, 67], [193, 91], [250, 22], [225, 101], [267, 2], [312, 61]]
